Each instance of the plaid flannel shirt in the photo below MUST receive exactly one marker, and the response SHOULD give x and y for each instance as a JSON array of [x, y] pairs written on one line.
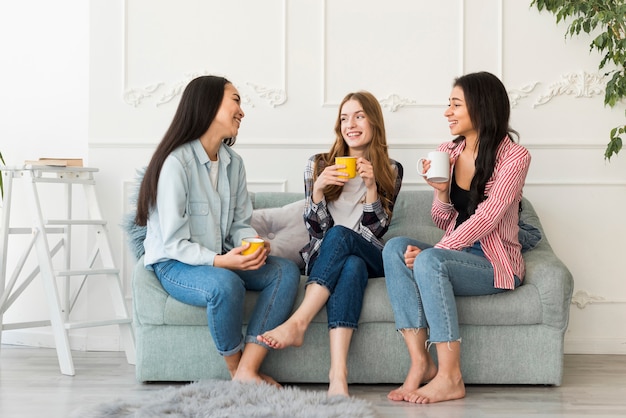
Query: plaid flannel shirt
[[317, 219]]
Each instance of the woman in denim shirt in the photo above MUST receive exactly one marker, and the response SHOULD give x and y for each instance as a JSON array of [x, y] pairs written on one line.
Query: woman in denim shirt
[[194, 201]]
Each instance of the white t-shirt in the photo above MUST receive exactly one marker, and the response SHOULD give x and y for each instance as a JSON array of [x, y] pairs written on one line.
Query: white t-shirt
[[213, 172], [347, 210]]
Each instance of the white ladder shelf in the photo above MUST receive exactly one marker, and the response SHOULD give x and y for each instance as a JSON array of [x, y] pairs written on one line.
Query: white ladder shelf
[[60, 304]]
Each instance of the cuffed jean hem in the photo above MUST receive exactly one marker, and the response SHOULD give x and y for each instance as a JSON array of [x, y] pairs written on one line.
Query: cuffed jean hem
[[340, 324], [252, 339], [231, 352], [430, 342], [318, 281]]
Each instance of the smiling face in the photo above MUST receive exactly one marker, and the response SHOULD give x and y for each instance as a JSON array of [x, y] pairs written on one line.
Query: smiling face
[[458, 115], [355, 127], [229, 115]]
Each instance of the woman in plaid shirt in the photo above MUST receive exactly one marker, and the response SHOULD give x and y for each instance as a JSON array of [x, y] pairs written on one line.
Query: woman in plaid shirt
[[346, 219], [480, 252]]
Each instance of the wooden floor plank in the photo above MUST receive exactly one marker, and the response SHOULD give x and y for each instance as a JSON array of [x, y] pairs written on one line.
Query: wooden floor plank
[[31, 385]]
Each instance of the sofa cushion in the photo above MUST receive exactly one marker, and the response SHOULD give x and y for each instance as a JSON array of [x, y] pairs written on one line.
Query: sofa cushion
[[284, 228], [519, 307]]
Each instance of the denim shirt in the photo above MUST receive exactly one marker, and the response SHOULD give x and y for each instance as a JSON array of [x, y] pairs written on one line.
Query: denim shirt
[[191, 221]]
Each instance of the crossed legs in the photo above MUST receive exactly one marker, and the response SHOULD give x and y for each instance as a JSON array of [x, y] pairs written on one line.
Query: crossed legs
[[291, 333], [442, 384]]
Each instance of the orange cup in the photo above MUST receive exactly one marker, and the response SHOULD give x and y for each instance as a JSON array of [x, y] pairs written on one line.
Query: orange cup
[[350, 163], [254, 242]]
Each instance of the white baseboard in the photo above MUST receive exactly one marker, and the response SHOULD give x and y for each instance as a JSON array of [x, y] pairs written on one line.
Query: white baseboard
[[78, 341], [595, 346]]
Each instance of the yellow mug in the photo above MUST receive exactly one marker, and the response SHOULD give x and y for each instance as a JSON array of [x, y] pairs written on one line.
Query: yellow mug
[[350, 163], [254, 242]]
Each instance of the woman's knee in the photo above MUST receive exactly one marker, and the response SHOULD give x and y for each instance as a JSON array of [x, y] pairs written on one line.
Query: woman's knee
[[337, 232], [395, 246], [429, 260], [285, 266], [228, 286], [354, 269]]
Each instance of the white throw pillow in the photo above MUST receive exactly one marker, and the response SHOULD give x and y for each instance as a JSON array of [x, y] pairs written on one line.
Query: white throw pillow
[[284, 228]]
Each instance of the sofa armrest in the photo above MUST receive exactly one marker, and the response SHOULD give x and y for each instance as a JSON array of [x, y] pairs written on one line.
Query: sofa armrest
[[553, 281]]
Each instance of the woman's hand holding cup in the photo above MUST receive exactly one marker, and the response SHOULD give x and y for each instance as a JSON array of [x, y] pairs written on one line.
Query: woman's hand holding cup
[[435, 168]]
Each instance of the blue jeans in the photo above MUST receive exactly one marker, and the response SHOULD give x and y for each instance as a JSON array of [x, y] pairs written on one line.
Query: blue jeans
[[222, 292], [424, 297], [345, 262]]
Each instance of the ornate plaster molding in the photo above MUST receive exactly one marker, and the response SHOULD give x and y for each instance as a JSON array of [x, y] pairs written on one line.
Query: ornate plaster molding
[[515, 95], [275, 97], [136, 96], [578, 84], [394, 101], [581, 299]]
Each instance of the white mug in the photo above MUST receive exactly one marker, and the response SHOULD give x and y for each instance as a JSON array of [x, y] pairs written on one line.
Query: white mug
[[439, 171]]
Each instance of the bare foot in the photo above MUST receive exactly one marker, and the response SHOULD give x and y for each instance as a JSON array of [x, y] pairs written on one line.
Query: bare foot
[[338, 385], [244, 376], [252, 377], [441, 388], [285, 335], [418, 374], [270, 380], [232, 363]]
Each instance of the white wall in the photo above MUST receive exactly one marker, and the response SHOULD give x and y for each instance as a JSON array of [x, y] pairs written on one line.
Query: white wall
[[293, 61]]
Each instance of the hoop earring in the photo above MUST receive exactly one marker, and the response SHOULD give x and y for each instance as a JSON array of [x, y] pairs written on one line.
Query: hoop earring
[[230, 141]]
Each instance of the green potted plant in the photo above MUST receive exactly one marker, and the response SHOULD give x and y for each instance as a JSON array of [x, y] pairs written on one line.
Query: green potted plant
[[606, 19]]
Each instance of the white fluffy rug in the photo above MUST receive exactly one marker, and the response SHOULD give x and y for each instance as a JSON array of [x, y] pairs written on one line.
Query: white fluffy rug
[[218, 398]]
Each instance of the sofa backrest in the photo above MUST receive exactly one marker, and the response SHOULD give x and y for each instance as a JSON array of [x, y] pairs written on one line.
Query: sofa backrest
[[411, 215]]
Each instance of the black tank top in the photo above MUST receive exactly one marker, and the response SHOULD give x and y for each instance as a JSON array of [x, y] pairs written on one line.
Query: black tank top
[[460, 199]]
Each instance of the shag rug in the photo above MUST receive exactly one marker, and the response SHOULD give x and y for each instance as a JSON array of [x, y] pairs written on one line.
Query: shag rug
[[219, 398]]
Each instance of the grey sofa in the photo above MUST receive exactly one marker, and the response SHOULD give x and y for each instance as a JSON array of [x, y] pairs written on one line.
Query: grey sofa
[[510, 338]]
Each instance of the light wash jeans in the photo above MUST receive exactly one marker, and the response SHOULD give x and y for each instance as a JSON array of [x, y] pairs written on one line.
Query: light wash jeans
[[345, 262], [424, 297], [222, 292]]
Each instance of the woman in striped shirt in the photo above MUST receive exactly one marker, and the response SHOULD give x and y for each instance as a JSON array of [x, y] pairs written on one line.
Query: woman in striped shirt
[[479, 254]]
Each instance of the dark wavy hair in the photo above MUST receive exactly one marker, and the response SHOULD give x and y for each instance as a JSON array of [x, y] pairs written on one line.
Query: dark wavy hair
[[198, 106], [489, 110], [376, 153]]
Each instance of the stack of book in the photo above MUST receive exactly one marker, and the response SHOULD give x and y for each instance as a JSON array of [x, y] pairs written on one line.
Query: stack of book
[[55, 162]]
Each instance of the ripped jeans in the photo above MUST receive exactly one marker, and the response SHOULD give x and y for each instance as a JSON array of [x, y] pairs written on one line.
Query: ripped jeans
[[424, 297]]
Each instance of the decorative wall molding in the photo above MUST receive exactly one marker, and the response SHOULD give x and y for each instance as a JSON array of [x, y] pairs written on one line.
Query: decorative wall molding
[[594, 345], [394, 101], [578, 84], [136, 95], [582, 298], [128, 259], [409, 143], [515, 95], [275, 97], [276, 185]]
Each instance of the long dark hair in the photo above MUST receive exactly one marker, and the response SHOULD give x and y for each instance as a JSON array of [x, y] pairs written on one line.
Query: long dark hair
[[489, 110], [376, 152], [198, 106]]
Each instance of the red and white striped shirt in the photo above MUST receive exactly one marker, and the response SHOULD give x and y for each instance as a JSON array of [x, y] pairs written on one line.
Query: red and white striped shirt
[[495, 221]]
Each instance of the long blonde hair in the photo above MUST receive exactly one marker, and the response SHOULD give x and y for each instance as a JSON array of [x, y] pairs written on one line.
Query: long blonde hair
[[376, 151]]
